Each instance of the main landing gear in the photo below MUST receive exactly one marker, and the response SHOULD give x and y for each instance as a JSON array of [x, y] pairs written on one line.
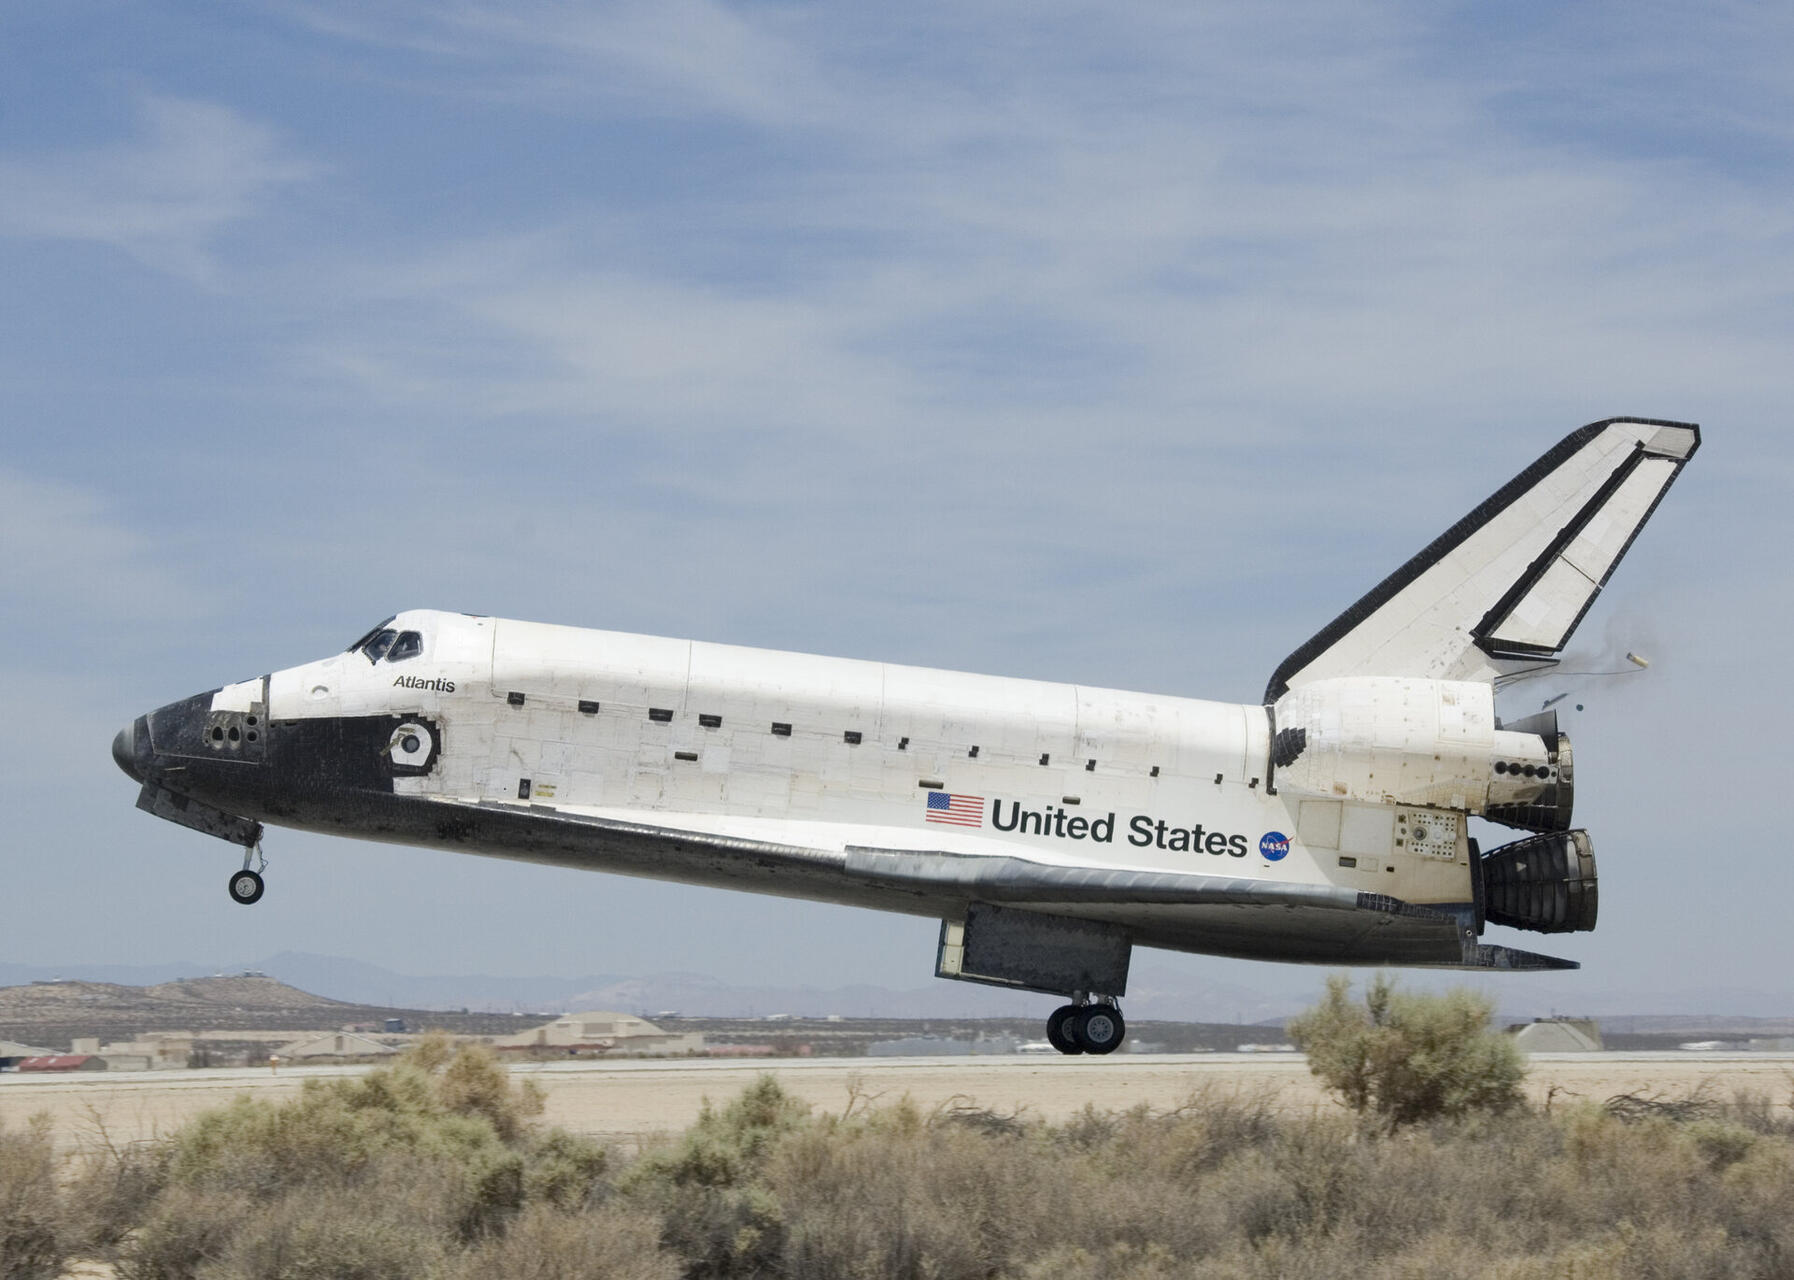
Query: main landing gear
[[1086, 1028], [246, 885]]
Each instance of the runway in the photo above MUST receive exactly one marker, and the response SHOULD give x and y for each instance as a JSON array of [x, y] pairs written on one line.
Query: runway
[[630, 1101]]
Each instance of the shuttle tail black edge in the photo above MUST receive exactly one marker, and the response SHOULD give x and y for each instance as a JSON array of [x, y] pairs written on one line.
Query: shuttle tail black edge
[[1479, 617]]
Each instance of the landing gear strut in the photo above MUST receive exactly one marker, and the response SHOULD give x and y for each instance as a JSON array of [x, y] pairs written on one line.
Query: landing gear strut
[[246, 885], [1086, 1028]]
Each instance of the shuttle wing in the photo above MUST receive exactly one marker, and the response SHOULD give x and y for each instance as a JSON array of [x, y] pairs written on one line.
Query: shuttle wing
[[1507, 585], [1327, 924], [1324, 924]]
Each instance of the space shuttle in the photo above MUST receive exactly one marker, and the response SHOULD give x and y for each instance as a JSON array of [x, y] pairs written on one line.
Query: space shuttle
[[1050, 828]]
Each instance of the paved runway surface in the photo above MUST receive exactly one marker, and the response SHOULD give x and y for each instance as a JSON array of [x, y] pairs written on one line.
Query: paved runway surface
[[631, 1100]]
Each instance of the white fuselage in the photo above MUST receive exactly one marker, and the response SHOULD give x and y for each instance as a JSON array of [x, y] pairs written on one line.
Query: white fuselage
[[832, 754]]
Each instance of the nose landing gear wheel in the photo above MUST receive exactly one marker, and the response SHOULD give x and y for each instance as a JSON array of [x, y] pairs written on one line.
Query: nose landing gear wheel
[[246, 886], [1098, 1028], [1059, 1033]]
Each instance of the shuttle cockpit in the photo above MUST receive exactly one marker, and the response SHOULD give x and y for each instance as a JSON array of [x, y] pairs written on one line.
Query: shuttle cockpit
[[385, 644]]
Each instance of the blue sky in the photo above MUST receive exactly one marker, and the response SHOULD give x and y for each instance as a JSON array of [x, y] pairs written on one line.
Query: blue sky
[[1120, 344]]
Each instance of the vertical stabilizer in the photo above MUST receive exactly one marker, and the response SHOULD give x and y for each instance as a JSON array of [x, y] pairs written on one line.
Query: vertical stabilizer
[[1506, 586]]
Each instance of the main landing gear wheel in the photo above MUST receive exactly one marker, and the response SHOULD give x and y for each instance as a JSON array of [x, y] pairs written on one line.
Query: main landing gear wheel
[[1058, 1033], [246, 886], [1098, 1028]]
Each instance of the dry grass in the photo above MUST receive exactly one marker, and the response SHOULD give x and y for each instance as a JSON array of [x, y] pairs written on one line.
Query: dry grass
[[30, 1211], [435, 1168]]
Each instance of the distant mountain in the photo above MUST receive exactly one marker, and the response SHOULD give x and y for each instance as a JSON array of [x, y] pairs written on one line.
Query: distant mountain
[[361, 983], [350, 981], [54, 1001], [1154, 993]]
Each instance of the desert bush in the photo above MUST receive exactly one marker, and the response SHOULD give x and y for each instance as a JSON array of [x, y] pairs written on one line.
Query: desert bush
[[336, 1233], [184, 1228], [1404, 1057], [386, 1174], [1225, 1187], [312, 1233], [346, 1133], [472, 1083], [545, 1243], [455, 1122], [707, 1190], [942, 1200], [30, 1209], [109, 1189], [565, 1170]]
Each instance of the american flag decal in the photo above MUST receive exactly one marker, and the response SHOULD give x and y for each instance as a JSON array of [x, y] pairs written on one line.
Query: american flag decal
[[960, 811]]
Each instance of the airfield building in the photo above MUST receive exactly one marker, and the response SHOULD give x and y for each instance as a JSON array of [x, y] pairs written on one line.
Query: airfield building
[[600, 1032], [1558, 1035], [334, 1044], [12, 1053]]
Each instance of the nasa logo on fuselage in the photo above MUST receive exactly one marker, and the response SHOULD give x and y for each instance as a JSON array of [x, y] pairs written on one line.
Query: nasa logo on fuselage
[[1274, 845], [439, 685]]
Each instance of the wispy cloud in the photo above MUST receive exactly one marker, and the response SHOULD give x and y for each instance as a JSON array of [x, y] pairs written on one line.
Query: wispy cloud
[[164, 197], [1162, 215], [72, 558]]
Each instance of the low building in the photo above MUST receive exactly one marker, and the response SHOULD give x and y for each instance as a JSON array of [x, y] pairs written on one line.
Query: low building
[[334, 1044], [1558, 1035], [600, 1032], [12, 1053], [163, 1050], [64, 1062]]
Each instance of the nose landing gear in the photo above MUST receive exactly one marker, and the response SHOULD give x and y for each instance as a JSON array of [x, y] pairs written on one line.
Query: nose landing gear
[[246, 885], [1086, 1028]]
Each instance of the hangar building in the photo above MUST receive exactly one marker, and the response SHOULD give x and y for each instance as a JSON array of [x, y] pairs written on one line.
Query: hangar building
[[600, 1032]]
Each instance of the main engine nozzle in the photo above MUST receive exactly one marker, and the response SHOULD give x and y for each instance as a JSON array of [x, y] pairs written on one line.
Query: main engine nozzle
[[1545, 883]]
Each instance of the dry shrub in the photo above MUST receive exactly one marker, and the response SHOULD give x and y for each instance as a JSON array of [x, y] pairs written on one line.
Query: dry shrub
[[1218, 1189], [30, 1210], [564, 1170], [185, 1228], [387, 1174], [940, 1201], [454, 1123], [1405, 1057], [707, 1190], [1119, 1262], [544, 1243], [333, 1233], [472, 1083], [1756, 1111], [110, 1191], [889, 1193], [352, 1133]]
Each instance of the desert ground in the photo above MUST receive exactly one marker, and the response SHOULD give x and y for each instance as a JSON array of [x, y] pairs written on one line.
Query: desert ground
[[630, 1101]]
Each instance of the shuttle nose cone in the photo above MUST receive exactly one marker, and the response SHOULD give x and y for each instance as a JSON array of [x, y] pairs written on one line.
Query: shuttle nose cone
[[124, 751]]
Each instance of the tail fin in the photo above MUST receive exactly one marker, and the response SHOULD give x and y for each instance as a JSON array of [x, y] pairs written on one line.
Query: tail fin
[[1507, 585]]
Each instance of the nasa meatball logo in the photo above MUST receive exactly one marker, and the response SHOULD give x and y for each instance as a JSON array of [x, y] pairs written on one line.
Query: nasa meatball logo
[[1274, 845]]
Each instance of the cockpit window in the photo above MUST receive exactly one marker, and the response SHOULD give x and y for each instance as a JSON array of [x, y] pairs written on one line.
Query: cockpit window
[[375, 646], [408, 645], [376, 630]]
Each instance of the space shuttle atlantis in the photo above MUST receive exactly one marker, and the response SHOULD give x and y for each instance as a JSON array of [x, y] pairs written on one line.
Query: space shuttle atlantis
[[1049, 827]]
